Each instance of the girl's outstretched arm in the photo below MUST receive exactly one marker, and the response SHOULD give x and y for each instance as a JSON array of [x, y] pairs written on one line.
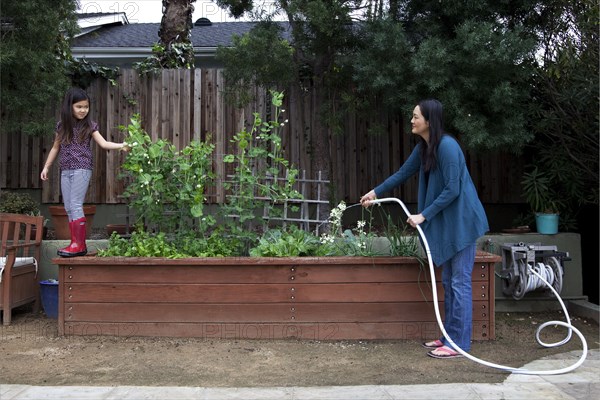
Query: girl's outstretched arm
[[106, 145]]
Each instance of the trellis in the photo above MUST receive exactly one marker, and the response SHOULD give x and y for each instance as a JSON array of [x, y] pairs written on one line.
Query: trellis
[[308, 208], [306, 218]]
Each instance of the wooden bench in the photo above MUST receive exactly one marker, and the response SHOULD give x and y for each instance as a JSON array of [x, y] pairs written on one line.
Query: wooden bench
[[21, 237]]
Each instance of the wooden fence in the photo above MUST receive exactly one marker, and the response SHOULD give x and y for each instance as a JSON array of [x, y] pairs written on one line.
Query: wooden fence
[[181, 105]]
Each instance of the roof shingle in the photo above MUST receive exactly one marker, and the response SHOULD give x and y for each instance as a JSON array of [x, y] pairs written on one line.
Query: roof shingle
[[146, 34]]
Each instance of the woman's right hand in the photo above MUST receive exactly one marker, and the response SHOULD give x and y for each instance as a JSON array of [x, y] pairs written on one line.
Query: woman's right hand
[[44, 174], [365, 201]]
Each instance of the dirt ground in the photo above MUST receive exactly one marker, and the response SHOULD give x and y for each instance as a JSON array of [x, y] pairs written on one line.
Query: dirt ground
[[31, 352]]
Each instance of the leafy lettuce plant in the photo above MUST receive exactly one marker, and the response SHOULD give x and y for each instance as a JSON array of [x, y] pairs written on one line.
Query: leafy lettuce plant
[[146, 244], [290, 242]]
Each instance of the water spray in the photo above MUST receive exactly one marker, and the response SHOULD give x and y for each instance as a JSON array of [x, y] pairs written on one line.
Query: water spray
[[523, 371]]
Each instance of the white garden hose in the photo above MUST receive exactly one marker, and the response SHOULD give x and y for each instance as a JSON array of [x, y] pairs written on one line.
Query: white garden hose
[[567, 324]]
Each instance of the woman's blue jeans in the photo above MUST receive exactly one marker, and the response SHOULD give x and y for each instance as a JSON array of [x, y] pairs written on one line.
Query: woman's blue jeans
[[458, 297], [74, 184]]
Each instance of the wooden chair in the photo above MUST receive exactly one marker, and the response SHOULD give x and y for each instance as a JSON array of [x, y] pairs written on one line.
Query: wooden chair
[[19, 254]]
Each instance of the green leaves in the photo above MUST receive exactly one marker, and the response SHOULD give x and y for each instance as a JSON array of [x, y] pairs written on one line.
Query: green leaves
[[291, 242], [35, 44], [475, 58], [260, 170], [187, 244], [268, 62], [166, 187], [540, 192], [174, 56]]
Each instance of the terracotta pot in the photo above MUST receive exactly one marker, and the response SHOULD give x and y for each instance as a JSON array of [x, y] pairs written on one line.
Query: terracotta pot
[[60, 220]]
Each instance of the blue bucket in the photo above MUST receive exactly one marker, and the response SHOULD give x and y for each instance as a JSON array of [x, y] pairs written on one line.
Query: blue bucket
[[547, 224], [49, 295]]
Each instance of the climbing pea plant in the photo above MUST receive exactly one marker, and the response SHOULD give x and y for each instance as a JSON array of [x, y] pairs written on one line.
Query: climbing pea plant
[[259, 166], [166, 188]]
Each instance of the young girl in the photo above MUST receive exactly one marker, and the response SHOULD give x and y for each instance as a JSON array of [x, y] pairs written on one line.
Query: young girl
[[450, 214], [73, 145]]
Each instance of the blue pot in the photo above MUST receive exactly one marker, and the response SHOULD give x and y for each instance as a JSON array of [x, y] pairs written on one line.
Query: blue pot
[[49, 295], [547, 224]]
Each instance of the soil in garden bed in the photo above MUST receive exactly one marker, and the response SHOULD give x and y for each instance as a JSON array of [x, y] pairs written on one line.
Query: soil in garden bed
[[33, 353]]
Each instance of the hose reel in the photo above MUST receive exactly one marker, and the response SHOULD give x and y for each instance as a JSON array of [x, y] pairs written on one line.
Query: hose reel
[[518, 258]]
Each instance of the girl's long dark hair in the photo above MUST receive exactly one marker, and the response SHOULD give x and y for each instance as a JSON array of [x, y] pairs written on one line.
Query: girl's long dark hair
[[68, 121], [432, 111]]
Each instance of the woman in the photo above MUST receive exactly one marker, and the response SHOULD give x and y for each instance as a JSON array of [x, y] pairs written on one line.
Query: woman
[[450, 214]]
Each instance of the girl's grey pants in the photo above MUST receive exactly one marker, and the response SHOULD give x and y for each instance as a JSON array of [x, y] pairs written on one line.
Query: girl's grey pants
[[74, 184]]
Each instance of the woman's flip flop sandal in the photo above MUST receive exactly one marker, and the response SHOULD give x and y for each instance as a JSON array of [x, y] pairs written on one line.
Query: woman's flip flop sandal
[[434, 344], [444, 352]]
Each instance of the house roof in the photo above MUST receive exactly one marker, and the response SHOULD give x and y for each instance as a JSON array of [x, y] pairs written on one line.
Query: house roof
[[89, 22], [124, 44]]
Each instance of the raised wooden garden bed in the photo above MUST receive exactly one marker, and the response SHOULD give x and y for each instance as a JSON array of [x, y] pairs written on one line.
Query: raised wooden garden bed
[[261, 298]]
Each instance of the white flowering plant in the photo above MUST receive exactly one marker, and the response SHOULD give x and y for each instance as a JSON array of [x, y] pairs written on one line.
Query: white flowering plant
[[348, 242], [360, 239]]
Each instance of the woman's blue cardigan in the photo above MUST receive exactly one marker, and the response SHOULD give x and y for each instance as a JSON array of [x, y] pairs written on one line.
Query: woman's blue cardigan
[[454, 216]]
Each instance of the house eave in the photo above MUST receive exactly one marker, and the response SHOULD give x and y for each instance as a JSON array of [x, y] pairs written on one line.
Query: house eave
[[95, 53], [101, 53]]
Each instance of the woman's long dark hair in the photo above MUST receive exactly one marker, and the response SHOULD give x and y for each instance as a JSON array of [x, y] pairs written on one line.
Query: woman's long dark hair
[[68, 121], [432, 111]]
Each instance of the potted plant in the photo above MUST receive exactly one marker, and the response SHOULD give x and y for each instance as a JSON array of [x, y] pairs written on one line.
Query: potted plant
[[20, 203], [543, 199]]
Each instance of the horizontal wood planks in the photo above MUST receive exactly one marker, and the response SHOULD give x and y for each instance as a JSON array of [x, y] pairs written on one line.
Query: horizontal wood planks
[[334, 298], [181, 105]]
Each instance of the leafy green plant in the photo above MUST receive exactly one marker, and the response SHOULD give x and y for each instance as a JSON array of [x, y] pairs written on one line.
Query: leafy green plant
[[166, 188], [540, 193], [339, 242], [18, 203], [290, 242], [402, 243], [261, 173], [188, 244], [174, 56], [140, 244], [82, 72]]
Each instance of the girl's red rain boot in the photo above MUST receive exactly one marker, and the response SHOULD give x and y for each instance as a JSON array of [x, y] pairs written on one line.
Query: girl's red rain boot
[[78, 247], [66, 250]]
